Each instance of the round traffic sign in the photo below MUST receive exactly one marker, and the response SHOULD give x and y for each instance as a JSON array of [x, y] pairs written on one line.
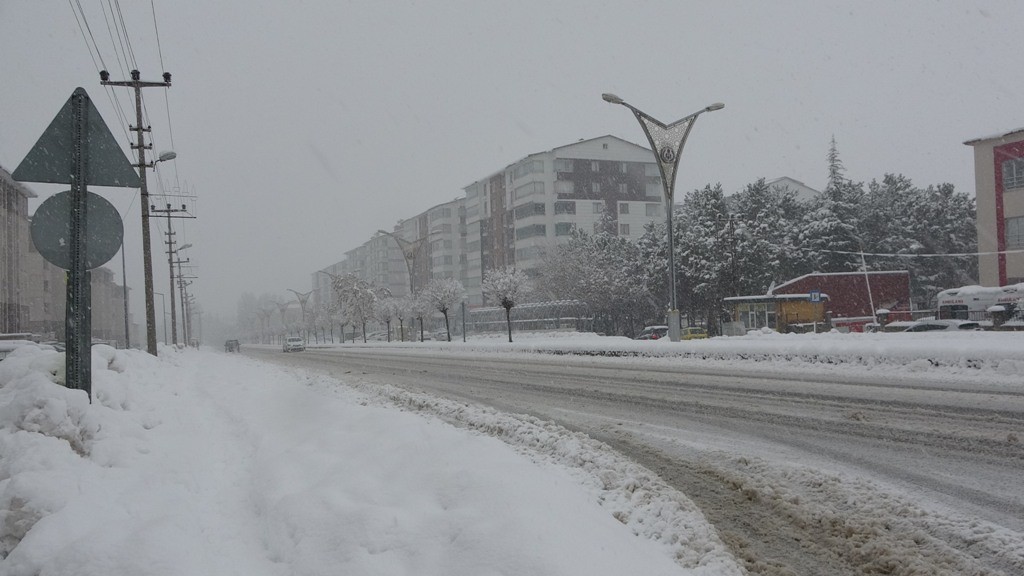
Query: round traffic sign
[[51, 230]]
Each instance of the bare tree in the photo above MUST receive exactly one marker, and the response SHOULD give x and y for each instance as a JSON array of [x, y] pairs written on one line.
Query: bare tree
[[507, 286], [442, 294]]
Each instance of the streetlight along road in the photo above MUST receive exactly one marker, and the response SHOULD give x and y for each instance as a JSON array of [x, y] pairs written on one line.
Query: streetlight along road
[[667, 141]]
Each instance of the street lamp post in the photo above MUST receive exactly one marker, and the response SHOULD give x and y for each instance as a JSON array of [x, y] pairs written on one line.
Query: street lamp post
[[409, 250], [667, 141], [303, 298]]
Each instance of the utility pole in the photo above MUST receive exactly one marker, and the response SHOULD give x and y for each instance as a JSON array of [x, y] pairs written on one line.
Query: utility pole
[[147, 257], [169, 212]]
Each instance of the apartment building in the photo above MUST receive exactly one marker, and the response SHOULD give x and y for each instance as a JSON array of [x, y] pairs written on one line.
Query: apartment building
[[33, 292], [999, 193], [14, 243], [515, 216], [512, 217]]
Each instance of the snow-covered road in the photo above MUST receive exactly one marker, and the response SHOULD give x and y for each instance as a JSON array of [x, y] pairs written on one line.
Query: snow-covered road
[[800, 471]]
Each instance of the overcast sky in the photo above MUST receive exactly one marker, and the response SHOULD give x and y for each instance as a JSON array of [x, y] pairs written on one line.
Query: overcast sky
[[302, 127]]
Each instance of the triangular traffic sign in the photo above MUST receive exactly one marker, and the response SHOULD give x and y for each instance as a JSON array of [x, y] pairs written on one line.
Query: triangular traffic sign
[[50, 159]]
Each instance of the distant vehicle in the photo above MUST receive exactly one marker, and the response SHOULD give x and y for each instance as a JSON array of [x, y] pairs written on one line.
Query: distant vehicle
[[232, 346], [294, 344], [653, 333], [693, 333], [939, 325], [973, 302]]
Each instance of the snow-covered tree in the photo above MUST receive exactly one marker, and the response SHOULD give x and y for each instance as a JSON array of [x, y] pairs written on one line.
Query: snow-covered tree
[[386, 310], [762, 228], [442, 294], [605, 271], [358, 298], [831, 232], [703, 256], [506, 286], [418, 308]]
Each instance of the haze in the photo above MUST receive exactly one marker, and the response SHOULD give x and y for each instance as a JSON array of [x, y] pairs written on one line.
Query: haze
[[303, 127]]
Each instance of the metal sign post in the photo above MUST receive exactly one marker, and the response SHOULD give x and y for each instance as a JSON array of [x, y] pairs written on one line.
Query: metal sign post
[[77, 148]]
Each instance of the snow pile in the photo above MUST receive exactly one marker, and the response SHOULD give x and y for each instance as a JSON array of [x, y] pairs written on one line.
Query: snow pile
[[994, 356], [635, 496], [202, 463]]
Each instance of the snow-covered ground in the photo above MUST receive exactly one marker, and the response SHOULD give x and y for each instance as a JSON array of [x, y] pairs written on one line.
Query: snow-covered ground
[[200, 462]]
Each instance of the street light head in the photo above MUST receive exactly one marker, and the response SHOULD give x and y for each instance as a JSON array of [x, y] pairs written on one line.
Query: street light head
[[715, 106], [609, 97], [184, 246], [104, 75], [167, 155]]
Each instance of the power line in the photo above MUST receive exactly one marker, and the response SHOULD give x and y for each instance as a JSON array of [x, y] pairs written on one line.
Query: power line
[[116, 105]]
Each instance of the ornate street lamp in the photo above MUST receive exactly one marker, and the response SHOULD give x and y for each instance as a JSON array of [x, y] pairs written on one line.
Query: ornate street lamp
[[667, 141]]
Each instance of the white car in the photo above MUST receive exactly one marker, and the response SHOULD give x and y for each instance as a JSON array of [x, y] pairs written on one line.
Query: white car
[[935, 325], [294, 344]]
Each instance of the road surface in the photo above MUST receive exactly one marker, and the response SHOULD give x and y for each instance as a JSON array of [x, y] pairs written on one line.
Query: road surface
[[799, 475]]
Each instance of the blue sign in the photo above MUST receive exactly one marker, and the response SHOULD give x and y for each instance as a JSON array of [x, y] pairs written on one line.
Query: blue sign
[[814, 296]]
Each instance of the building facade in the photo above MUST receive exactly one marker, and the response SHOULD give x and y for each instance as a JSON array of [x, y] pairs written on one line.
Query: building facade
[[515, 216], [999, 193], [14, 243], [33, 292], [846, 300], [512, 217]]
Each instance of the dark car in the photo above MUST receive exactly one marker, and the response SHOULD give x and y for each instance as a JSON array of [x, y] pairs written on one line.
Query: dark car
[[232, 346]]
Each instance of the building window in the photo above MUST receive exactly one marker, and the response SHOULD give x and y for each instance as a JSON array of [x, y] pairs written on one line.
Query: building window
[[531, 231], [653, 210], [1014, 233], [528, 189], [598, 207], [595, 166], [654, 187], [604, 145], [563, 165], [1013, 173], [623, 229], [622, 188], [563, 228], [527, 210], [595, 187], [623, 208], [564, 187], [565, 207]]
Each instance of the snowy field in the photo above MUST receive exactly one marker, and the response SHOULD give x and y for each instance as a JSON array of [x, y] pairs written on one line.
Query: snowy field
[[201, 462]]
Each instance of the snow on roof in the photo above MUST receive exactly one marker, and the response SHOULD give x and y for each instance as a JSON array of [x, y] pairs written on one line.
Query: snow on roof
[[994, 137], [775, 297], [861, 273], [975, 290]]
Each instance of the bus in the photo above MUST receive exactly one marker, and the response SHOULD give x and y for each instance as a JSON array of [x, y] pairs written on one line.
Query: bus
[[973, 302]]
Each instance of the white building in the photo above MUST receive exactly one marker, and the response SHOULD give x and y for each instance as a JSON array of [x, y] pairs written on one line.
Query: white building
[[515, 216], [512, 217]]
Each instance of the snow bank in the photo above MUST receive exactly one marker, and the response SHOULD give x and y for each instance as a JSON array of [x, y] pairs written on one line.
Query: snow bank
[[202, 463]]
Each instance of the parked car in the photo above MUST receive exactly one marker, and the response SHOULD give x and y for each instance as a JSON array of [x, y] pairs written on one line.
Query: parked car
[[937, 325], [232, 346], [693, 333], [294, 344], [653, 333]]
